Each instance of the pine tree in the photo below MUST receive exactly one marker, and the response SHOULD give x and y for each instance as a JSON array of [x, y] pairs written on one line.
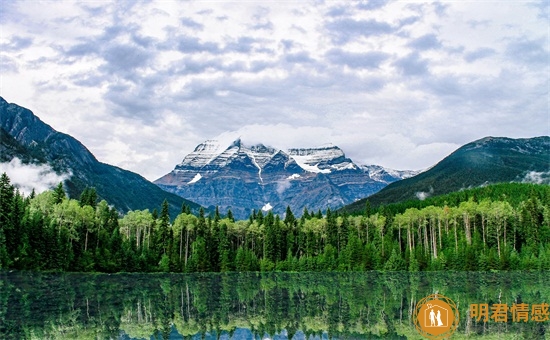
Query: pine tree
[[6, 209], [230, 215], [201, 225], [224, 249], [88, 197], [59, 193], [163, 234]]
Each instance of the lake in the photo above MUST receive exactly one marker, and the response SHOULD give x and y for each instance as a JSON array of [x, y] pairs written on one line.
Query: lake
[[360, 305]]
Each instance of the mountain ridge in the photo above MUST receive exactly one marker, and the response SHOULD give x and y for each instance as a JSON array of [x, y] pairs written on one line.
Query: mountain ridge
[[37, 142], [484, 161], [245, 177]]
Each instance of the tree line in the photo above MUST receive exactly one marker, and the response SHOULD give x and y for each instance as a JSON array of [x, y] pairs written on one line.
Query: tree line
[[480, 232]]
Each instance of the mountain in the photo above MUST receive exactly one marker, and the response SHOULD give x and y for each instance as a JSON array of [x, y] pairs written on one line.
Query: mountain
[[485, 161], [25, 136], [242, 178]]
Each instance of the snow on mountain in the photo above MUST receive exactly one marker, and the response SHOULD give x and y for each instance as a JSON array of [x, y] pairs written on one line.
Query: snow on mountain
[[203, 154], [236, 176], [382, 174], [215, 154], [195, 179]]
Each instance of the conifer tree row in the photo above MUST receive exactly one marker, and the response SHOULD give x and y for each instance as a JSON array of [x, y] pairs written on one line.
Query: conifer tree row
[[481, 231]]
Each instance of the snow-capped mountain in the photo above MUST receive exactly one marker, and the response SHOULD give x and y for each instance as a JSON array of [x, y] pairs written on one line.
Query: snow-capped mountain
[[242, 178]]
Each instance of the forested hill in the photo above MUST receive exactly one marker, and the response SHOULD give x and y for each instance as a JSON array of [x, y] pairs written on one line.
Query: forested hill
[[25, 136], [485, 161], [485, 232]]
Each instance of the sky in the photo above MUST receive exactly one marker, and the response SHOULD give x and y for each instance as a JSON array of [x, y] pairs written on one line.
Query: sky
[[400, 84]]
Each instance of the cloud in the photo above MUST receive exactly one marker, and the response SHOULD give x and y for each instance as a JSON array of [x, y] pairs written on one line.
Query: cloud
[[282, 186], [357, 60], [537, 177], [412, 65], [425, 42], [530, 52], [188, 22], [393, 83], [479, 53], [422, 195], [17, 43], [125, 58], [27, 177], [371, 4], [188, 44], [346, 29], [8, 64]]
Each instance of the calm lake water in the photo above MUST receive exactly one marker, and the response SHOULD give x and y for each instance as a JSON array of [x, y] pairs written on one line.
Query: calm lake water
[[367, 305]]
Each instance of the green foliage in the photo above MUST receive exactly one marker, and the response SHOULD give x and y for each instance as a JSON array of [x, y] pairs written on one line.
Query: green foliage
[[483, 230]]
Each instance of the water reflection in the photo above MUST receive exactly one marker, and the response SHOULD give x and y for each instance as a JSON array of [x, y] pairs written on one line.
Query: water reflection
[[254, 305]]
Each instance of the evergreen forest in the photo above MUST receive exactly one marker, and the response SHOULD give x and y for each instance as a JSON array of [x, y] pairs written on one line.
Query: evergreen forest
[[497, 227]]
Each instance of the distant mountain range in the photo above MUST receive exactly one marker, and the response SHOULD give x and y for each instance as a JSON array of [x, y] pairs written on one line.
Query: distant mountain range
[[244, 177], [485, 161], [25, 136]]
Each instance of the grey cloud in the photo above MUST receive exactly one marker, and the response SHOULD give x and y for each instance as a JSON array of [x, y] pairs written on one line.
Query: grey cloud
[[299, 29], [111, 32], [474, 24], [412, 65], [357, 60], [88, 80], [288, 44], [93, 11], [262, 23], [17, 43], [145, 42], [370, 5], [408, 21], [440, 9], [480, 53], [263, 26], [125, 58], [8, 64], [344, 30], [205, 12], [528, 51], [137, 102], [83, 49], [337, 11], [10, 12], [188, 22], [299, 58], [242, 45], [425, 42], [449, 86], [248, 45], [189, 44], [543, 7]]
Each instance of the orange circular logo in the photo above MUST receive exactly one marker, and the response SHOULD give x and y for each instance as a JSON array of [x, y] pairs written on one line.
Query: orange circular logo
[[436, 317]]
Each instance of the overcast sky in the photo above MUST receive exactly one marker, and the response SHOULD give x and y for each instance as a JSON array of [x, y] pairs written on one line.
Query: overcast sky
[[400, 84]]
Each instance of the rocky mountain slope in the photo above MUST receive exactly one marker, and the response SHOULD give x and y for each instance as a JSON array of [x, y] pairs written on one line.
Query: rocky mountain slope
[[242, 178], [26, 137], [484, 161]]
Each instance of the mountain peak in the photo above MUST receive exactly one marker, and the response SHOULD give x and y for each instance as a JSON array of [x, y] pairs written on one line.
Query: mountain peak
[[232, 174]]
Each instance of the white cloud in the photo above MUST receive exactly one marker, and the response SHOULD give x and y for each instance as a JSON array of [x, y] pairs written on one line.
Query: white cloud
[[27, 177], [422, 195], [537, 177], [398, 84]]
